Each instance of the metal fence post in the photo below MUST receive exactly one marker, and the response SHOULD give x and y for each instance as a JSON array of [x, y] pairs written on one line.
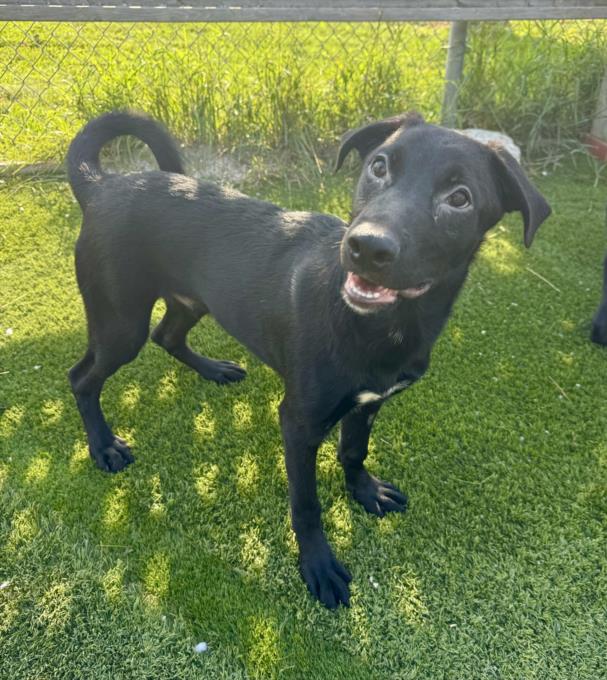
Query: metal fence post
[[454, 71]]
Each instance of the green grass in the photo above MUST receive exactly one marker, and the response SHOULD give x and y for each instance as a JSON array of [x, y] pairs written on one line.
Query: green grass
[[297, 86], [230, 85], [498, 570], [537, 81]]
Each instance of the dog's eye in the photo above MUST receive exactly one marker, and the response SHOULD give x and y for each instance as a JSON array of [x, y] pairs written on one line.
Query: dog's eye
[[379, 168], [459, 199]]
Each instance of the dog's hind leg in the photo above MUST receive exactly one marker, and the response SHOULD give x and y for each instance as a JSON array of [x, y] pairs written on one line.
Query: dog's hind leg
[[171, 334], [114, 341], [376, 496]]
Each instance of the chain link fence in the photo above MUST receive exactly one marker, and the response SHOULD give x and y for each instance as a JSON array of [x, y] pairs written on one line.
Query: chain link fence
[[260, 86]]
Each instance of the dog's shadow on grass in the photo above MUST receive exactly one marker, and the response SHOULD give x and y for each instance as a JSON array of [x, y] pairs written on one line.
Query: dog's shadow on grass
[[207, 495], [200, 522]]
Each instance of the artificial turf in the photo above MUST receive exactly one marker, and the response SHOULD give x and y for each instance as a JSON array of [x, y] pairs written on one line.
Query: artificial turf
[[498, 569]]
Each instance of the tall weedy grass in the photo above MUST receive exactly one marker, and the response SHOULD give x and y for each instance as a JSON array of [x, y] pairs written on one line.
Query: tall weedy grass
[[286, 86], [537, 81]]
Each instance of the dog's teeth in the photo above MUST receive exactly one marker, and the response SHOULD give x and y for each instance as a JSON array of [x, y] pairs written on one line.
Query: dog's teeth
[[367, 294]]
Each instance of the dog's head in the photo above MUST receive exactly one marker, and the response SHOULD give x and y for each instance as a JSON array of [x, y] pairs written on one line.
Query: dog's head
[[424, 200]]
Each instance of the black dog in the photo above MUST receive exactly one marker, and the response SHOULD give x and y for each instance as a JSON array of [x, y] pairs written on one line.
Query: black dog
[[599, 324], [346, 313]]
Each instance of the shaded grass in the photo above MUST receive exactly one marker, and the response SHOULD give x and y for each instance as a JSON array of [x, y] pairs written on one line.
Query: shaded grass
[[498, 570]]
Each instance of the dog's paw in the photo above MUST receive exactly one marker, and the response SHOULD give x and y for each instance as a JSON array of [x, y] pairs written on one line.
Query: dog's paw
[[113, 457], [327, 579], [376, 496], [222, 372]]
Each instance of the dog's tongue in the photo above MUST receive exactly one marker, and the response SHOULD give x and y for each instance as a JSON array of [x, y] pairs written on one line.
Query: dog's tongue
[[367, 292]]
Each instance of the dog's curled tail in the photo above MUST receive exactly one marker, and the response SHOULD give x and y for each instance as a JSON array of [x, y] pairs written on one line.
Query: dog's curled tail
[[83, 166]]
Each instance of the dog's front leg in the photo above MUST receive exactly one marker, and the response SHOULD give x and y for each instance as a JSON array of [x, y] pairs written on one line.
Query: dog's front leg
[[375, 495], [326, 578]]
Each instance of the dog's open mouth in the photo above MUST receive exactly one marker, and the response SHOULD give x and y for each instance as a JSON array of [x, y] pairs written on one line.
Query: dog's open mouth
[[362, 293]]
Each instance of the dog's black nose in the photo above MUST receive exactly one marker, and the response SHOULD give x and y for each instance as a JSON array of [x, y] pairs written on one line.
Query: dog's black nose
[[372, 250]]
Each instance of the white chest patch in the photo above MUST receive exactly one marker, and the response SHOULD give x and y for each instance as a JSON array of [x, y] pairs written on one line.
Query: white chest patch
[[368, 397]]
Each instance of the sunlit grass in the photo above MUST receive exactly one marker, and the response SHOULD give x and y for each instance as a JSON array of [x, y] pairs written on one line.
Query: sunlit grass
[[496, 571], [296, 86]]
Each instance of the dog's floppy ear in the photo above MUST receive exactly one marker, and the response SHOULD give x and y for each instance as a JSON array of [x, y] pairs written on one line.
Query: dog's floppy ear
[[368, 137], [518, 194]]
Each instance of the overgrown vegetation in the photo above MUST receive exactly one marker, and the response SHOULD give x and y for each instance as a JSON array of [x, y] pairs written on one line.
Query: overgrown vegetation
[[536, 81], [294, 86]]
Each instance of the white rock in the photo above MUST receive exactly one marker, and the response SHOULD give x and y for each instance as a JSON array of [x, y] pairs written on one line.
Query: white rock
[[491, 137]]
